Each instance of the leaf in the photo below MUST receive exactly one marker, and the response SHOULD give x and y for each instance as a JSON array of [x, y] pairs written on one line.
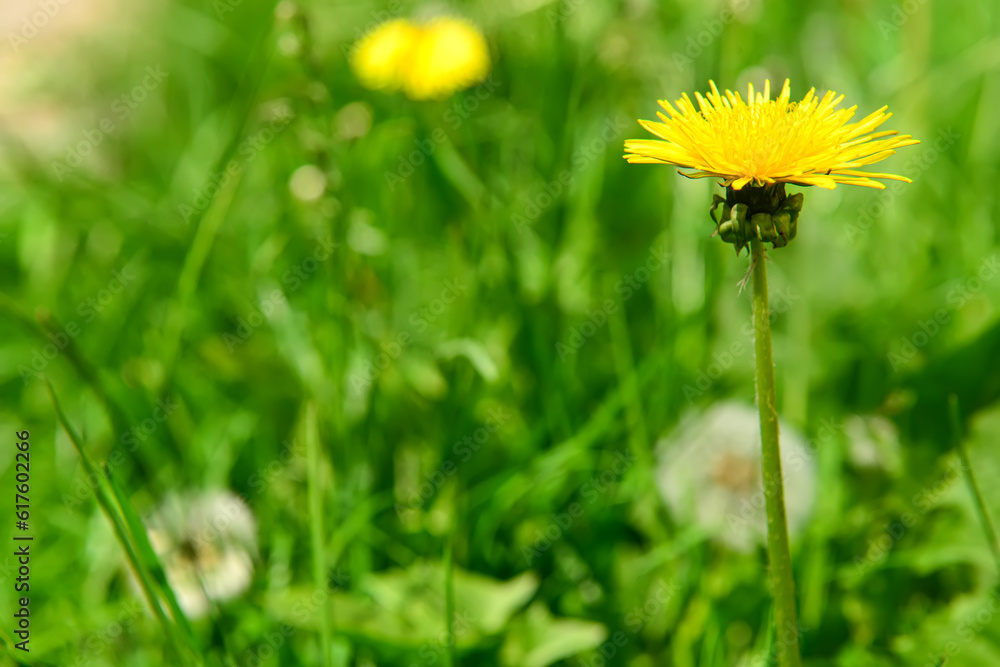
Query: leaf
[[477, 355], [538, 639], [405, 608]]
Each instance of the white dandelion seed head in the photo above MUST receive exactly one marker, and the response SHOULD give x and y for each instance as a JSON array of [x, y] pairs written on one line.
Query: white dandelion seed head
[[207, 542], [709, 474]]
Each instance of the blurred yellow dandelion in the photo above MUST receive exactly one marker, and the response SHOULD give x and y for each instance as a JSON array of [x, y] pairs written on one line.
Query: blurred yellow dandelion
[[429, 61], [763, 141], [378, 57], [450, 55]]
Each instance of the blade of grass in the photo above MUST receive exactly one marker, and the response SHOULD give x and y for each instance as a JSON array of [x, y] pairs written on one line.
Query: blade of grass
[[639, 440], [191, 271], [621, 350], [8, 642], [211, 220], [984, 516], [139, 537], [561, 456], [316, 528], [46, 325], [105, 499], [451, 657]]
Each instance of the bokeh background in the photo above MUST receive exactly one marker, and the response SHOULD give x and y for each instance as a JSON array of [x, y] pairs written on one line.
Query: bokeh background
[[440, 349]]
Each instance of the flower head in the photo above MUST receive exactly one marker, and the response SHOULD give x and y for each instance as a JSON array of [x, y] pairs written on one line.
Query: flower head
[[380, 56], [762, 141], [428, 61], [450, 55]]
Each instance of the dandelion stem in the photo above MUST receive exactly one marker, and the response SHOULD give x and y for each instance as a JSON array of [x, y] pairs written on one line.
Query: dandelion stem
[[778, 553]]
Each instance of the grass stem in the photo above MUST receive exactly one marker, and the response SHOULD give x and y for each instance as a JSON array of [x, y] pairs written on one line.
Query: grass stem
[[106, 499], [317, 530], [451, 657], [970, 479]]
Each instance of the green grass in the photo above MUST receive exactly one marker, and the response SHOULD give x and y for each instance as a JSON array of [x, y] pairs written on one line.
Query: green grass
[[240, 345]]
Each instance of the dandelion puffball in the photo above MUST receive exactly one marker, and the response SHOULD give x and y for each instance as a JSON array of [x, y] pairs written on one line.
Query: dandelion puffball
[[206, 542], [709, 474]]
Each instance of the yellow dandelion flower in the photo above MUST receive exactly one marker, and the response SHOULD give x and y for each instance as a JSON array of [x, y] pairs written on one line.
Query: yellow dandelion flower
[[763, 141], [429, 61], [450, 55], [380, 56]]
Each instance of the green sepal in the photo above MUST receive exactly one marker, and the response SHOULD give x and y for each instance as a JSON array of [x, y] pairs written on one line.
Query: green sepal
[[764, 225], [735, 223], [782, 227], [791, 207], [716, 200]]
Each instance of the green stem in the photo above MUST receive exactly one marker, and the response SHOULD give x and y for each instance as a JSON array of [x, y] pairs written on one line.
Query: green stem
[[778, 552]]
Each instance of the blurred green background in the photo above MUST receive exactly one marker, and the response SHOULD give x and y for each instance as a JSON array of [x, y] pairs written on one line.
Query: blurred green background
[[385, 325]]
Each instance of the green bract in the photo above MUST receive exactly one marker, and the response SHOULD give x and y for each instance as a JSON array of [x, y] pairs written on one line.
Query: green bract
[[738, 225]]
